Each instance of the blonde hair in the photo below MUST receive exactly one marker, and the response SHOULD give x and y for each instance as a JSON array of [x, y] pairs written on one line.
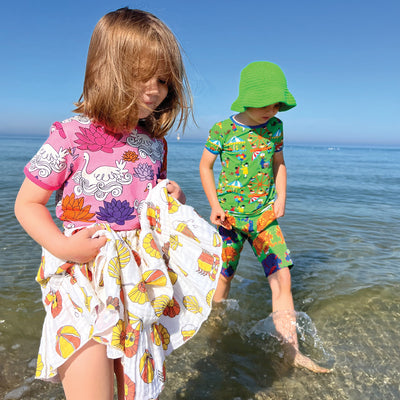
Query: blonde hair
[[129, 47]]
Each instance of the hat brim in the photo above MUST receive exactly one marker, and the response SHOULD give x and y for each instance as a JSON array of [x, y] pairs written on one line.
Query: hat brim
[[265, 99]]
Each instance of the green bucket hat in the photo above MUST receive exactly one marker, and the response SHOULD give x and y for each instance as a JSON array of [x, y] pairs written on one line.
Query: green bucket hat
[[263, 83]]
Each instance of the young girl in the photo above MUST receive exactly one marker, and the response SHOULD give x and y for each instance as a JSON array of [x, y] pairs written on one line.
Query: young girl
[[133, 274]]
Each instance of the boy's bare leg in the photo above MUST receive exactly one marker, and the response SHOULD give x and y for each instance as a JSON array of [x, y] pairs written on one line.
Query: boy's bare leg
[[222, 290], [284, 318]]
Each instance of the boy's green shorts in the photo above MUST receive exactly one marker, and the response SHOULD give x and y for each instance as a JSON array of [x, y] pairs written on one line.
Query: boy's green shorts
[[265, 237]]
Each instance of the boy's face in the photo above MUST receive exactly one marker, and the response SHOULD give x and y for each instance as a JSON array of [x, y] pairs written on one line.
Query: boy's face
[[258, 116]]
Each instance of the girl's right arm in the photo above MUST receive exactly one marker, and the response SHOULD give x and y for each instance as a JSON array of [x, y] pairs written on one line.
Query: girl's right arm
[[35, 218], [207, 161]]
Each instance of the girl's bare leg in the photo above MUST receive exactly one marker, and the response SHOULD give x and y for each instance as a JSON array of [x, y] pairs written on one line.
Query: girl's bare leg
[[88, 374]]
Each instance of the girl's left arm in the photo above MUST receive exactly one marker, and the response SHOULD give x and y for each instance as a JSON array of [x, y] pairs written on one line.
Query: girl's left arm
[[175, 191], [280, 175]]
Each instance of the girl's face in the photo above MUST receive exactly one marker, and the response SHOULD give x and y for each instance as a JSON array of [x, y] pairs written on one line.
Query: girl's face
[[257, 116], [154, 92]]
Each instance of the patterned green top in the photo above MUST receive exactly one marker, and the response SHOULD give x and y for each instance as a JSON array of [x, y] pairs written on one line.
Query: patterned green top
[[246, 182]]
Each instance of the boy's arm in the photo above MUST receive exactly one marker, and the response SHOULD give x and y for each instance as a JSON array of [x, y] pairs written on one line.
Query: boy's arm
[[35, 218], [280, 176], [207, 161]]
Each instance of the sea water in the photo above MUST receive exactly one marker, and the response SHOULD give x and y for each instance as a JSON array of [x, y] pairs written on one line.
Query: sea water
[[342, 225]]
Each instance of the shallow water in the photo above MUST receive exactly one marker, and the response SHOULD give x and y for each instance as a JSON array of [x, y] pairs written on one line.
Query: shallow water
[[343, 228]]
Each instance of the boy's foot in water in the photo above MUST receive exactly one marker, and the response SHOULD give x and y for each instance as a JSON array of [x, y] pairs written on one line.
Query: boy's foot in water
[[298, 360]]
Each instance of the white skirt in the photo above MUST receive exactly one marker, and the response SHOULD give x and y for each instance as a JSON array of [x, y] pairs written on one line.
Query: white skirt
[[147, 292]]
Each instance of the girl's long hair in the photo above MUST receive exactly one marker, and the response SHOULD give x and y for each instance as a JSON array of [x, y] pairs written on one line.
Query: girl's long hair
[[128, 47]]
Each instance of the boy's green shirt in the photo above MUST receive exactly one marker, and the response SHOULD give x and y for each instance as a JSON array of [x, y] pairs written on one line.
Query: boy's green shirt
[[246, 182]]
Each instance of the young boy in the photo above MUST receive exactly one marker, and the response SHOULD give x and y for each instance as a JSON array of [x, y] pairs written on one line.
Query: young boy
[[251, 192]]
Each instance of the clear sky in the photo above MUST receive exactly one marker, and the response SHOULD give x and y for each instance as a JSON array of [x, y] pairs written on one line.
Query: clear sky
[[341, 59]]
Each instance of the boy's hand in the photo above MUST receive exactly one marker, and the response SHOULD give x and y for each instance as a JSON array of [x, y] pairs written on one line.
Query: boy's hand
[[217, 216], [279, 208]]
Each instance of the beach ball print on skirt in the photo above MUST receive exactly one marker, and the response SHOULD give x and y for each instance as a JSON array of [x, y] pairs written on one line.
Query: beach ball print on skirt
[[68, 340]]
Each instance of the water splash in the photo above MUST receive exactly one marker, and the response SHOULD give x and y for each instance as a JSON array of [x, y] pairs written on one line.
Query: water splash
[[231, 304], [309, 341]]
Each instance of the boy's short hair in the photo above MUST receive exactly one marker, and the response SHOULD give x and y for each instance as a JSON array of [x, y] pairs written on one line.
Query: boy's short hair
[[129, 47]]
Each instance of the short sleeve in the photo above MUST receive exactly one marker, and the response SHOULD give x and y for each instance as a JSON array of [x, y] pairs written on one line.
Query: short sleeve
[[278, 138], [214, 142], [51, 165]]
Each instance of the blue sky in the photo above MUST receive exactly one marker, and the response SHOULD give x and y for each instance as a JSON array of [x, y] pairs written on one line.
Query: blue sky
[[341, 59]]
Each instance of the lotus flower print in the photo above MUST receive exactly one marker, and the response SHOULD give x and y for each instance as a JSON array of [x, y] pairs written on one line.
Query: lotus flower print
[[95, 138], [116, 211], [130, 156], [144, 172], [74, 209]]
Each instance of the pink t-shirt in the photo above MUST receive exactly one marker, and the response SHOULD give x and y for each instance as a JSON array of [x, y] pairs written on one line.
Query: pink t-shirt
[[99, 176]]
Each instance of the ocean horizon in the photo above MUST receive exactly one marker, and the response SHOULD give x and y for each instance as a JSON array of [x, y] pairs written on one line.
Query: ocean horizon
[[189, 137]]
